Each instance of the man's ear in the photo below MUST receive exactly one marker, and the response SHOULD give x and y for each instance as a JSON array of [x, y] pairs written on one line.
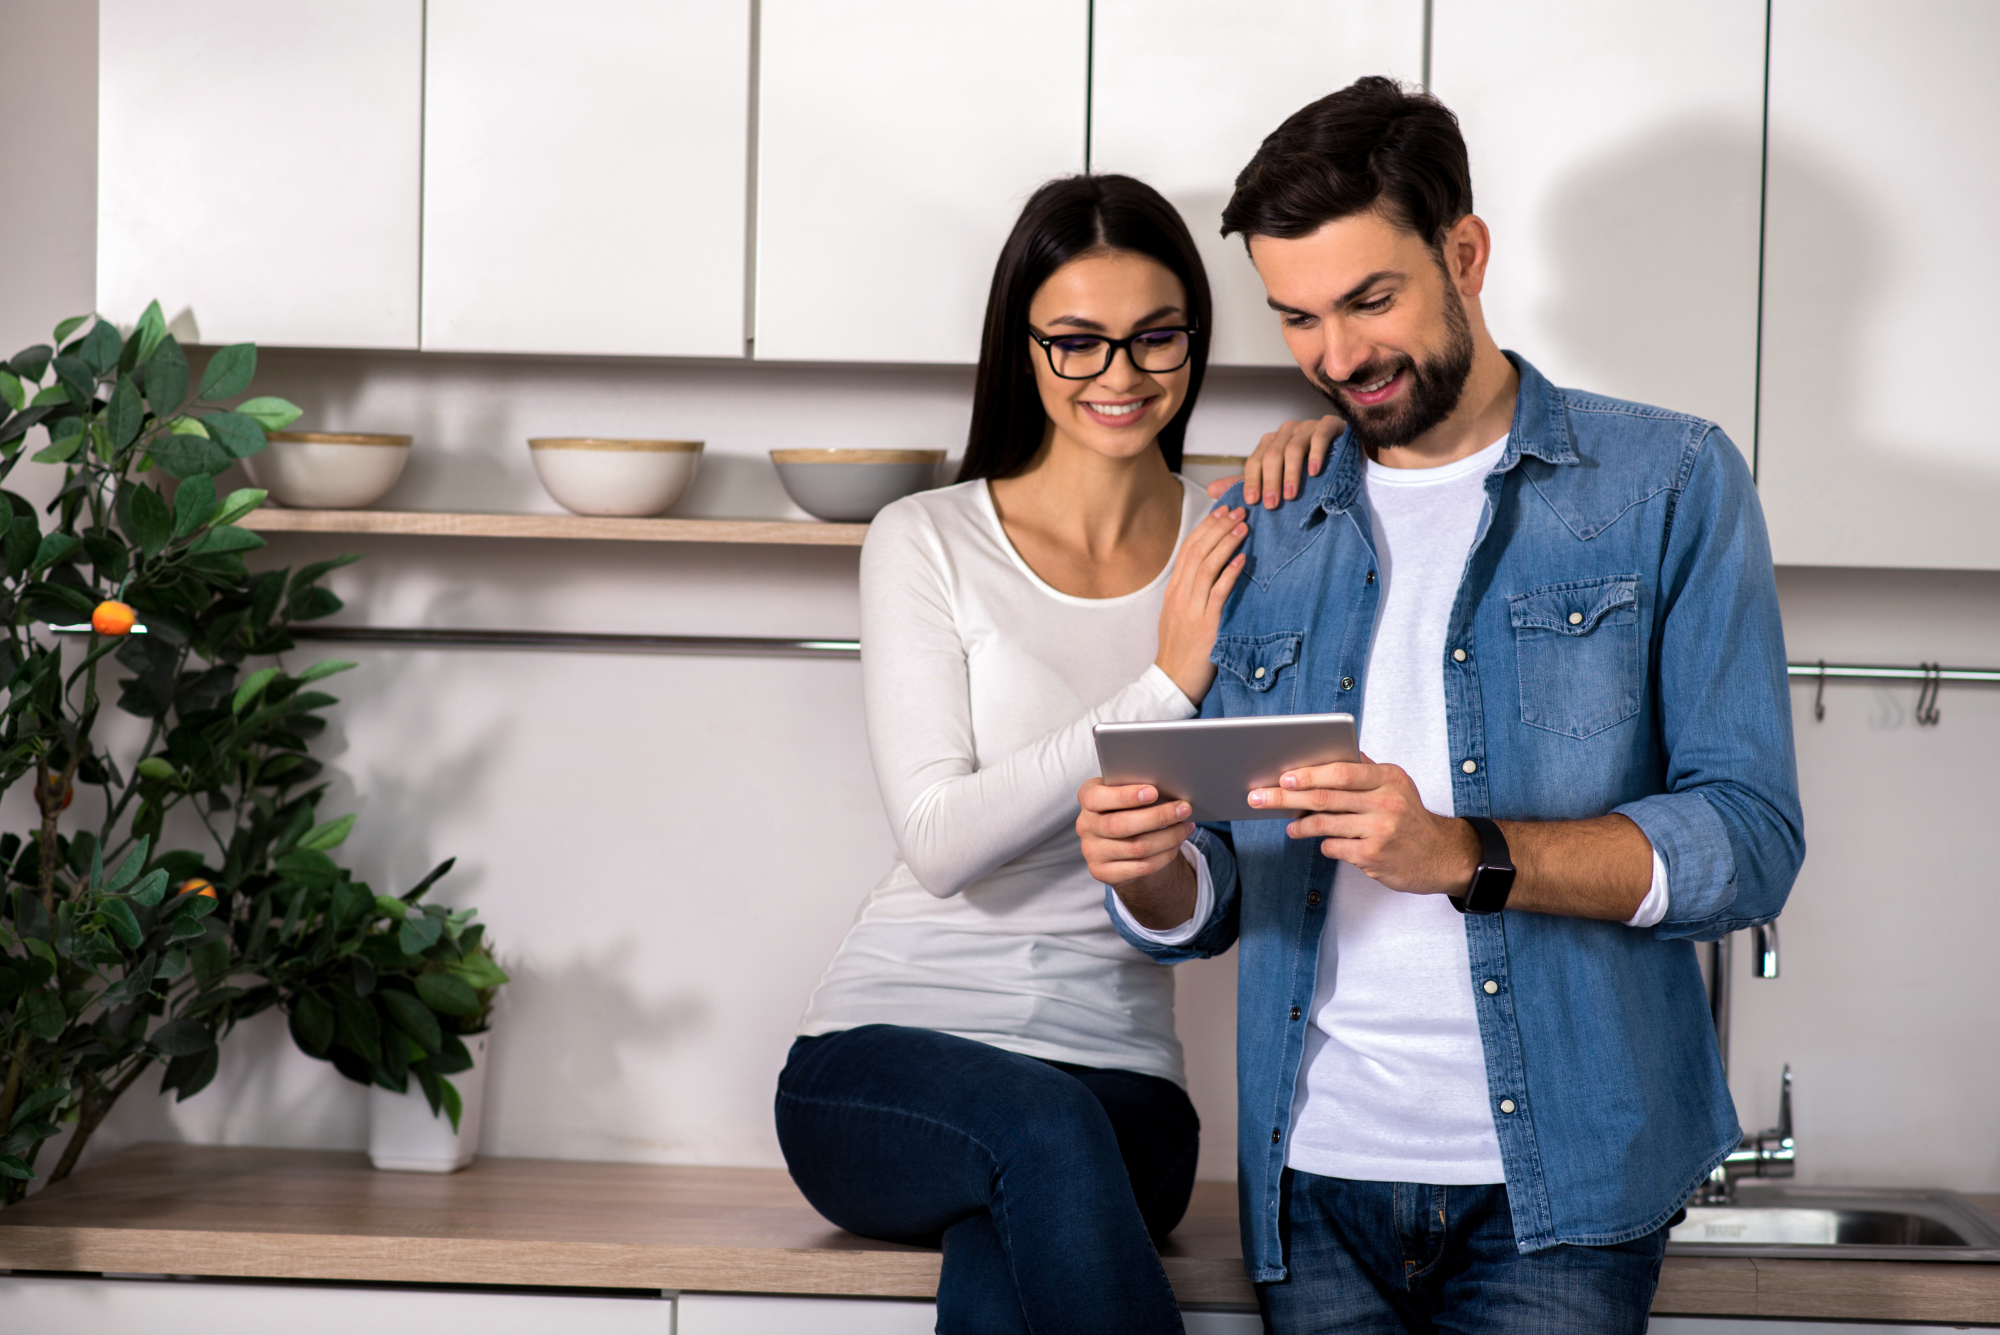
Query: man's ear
[[1467, 248]]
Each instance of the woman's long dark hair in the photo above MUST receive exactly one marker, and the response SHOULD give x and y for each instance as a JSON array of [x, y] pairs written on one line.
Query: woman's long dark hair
[[1068, 217]]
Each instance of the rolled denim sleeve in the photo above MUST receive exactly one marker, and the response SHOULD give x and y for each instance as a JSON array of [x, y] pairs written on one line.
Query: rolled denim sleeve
[[1728, 826], [1218, 930]]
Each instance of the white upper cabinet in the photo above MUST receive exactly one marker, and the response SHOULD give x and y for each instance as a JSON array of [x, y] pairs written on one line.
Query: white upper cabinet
[[1183, 91], [586, 176], [897, 141], [1617, 156], [1880, 446], [258, 168]]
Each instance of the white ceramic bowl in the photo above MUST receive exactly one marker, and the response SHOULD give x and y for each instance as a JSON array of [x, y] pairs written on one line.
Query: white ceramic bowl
[[1202, 469], [628, 478], [851, 485], [315, 470]]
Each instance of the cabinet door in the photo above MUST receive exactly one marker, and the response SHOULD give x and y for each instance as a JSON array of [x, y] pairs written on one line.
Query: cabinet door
[[1617, 155], [586, 176], [258, 168], [1879, 443], [1183, 91], [896, 142]]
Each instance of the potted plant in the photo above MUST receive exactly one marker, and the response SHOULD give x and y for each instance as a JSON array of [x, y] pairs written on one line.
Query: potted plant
[[197, 887]]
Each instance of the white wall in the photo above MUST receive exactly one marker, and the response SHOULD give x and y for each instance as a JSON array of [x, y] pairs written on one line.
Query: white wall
[[668, 848]]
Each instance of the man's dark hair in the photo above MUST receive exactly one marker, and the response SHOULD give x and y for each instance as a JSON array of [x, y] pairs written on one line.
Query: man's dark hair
[[1373, 145]]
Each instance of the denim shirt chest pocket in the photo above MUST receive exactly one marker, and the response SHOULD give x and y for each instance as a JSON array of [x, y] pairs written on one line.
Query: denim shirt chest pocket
[[1258, 674], [1580, 659]]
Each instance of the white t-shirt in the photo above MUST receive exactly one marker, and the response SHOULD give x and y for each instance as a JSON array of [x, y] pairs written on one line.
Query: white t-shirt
[[1393, 1078], [982, 684]]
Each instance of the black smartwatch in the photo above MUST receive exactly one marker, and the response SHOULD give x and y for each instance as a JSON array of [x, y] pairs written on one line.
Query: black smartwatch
[[1494, 879]]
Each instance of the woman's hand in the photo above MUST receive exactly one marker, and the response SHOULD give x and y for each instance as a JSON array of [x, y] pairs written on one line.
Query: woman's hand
[[1204, 573], [1282, 461]]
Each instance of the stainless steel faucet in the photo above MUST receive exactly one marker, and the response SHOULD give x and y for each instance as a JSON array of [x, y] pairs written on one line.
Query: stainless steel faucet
[[1769, 1153]]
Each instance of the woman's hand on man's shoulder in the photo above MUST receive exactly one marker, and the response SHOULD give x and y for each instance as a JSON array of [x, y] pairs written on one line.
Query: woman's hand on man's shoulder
[[1282, 461]]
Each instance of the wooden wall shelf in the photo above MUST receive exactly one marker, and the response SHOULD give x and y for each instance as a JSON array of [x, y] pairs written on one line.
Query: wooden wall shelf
[[272, 519]]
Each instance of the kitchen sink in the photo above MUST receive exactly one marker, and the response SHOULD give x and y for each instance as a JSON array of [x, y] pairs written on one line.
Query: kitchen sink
[[1839, 1222]]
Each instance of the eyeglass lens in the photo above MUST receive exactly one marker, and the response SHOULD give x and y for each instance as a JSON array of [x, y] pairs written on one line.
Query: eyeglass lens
[[1083, 356]]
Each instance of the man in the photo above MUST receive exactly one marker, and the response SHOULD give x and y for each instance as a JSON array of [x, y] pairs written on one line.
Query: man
[[1554, 616]]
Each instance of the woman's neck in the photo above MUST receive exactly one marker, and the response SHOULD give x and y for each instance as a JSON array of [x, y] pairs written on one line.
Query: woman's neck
[[1089, 524]]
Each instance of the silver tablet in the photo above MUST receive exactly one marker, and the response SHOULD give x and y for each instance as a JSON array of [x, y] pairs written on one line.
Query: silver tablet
[[1213, 763]]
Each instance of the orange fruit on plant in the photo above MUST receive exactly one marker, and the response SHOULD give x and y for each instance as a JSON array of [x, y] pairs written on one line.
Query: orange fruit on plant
[[68, 795], [194, 885], [113, 618]]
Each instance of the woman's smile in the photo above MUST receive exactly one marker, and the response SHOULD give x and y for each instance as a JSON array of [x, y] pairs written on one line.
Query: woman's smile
[[1119, 412]]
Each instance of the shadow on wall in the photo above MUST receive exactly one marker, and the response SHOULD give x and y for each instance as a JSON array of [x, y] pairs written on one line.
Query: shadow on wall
[[1638, 281]]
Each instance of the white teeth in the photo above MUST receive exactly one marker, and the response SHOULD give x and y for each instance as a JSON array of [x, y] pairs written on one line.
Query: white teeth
[[1370, 389], [1116, 410]]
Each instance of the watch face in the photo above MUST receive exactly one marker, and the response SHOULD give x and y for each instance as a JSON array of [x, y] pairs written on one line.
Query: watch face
[[1489, 890]]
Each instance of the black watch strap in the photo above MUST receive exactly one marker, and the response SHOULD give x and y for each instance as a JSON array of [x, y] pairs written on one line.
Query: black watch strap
[[1493, 880]]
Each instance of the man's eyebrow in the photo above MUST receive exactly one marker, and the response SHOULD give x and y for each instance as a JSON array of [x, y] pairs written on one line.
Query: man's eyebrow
[[1082, 322], [1347, 298]]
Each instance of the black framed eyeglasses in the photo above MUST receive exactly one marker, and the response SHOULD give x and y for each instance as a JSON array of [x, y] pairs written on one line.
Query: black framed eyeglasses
[[1087, 356]]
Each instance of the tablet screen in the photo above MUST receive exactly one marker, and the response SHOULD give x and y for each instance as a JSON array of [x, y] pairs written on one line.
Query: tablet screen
[[1213, 763]]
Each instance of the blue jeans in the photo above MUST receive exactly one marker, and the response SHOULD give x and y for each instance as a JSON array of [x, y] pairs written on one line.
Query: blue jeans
[[1046, 1184], [1390, 1258]]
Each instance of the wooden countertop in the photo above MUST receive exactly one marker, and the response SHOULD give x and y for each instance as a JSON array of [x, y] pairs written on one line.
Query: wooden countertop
[[312, 1214]]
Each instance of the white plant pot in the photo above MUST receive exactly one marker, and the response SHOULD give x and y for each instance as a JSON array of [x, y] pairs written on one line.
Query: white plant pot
[[404, 1136]]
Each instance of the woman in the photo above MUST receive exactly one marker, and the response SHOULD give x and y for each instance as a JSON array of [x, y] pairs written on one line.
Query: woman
[[986, 1062]]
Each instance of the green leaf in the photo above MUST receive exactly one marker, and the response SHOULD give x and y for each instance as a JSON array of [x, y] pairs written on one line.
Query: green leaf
[[226, 540], [128, 870], [78, 378], [37, 1102], [120, 917], [385, 907], [55, 396], [101, 347], [330, 835], [152, 522], [70, 326], [31, 364], [238, 434], [312, 1025], [418, 933], [188, 426], [453, 1105], [184, 454], [269, 412], [252, 685], [62, 451], [229, 371], [194, 502], [238, 504], [154, 767], [151, 329], [166, 377], [479, 971], [151, 888], [12, 1165], [10, 390], [182, 1038], [445, 994], [23, 540], [53, 548], [125, 414], [41, 1014], [413, 1018], [324, 669]]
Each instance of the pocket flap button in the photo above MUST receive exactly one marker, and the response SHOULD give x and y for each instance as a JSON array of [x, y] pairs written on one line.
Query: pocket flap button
[[1576, 618], [1259, 674]]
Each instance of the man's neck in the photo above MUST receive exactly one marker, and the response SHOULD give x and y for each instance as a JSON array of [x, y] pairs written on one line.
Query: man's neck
[[1485, 412]]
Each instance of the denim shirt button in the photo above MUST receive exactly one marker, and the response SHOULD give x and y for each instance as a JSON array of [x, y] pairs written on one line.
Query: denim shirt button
[[1276, 1135], [1347, 683], [1312, 899], [1370, 579], [1506, 1105], [1490, 987], [1470, 767], [1295, 1012], [1458, 655]]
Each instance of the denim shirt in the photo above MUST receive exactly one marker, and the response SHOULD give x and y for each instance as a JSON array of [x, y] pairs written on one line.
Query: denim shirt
[[1614, 645]]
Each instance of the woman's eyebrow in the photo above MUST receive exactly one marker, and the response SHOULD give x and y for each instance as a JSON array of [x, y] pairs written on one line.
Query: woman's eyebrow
[[1084, 322]]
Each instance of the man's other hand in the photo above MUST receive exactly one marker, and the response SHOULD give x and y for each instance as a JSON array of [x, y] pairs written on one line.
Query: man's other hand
[[1372, 817]]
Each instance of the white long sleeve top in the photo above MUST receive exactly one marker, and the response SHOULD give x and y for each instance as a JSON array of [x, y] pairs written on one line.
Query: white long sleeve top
[[982, 684]]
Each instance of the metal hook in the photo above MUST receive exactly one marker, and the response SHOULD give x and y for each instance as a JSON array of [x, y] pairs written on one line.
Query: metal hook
[[1927, 710], [1819, 695]]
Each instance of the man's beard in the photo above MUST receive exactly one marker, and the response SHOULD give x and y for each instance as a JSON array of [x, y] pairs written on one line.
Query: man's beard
[[1434, 389]]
